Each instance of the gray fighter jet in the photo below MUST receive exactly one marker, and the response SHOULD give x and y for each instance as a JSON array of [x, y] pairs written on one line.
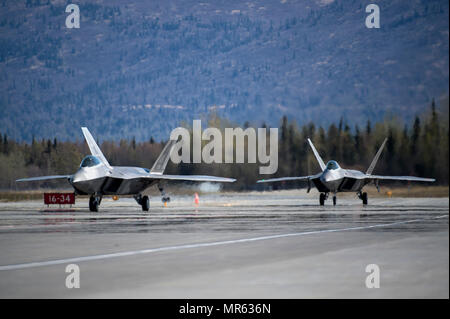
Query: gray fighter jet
[[96, 177], [334, 179]]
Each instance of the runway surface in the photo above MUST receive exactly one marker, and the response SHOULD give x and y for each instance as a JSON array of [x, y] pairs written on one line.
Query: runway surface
[[250, 245]]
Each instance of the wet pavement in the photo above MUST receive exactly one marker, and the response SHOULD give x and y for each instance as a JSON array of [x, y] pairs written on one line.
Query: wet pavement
[[249, 245]]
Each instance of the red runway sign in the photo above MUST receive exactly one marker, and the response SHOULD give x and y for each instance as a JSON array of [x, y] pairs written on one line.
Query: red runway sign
[[59, 198]]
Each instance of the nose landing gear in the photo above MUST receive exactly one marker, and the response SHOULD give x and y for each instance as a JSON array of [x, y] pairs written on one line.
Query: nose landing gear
[[322, 198], [94, 203]]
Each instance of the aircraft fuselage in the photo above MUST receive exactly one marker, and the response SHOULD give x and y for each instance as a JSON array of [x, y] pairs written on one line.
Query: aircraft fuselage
[[110, 181], [339, 180]]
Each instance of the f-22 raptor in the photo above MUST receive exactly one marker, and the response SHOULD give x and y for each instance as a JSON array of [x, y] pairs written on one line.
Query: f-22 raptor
[[96, 177], [334, 179]]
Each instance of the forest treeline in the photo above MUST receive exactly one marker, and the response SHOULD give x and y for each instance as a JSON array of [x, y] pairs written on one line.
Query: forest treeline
[[419, 148]]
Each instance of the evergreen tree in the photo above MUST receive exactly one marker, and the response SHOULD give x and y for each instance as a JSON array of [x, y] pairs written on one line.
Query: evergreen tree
[[368, 128], [5, 144], [415, 136]]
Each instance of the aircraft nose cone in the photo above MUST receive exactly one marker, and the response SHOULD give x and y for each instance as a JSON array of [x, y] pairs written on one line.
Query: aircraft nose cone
[[326, 178], [75, 178]]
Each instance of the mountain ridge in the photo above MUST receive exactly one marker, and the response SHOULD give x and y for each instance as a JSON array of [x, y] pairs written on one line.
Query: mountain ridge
[[143, 68]]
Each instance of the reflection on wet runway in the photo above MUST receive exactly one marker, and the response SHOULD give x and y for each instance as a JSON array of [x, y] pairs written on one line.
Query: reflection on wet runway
[[259, 215], [251, 246]]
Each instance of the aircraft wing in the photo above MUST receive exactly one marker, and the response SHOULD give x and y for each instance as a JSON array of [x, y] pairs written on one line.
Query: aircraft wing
[[400, 178], [193, 178], [281, 179], [158, 176], [43, 178]]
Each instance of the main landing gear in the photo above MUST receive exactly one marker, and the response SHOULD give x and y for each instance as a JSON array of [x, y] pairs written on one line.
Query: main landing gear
[[144, 201], [324, 196], [94, 203], [165, 199], [363, 197]]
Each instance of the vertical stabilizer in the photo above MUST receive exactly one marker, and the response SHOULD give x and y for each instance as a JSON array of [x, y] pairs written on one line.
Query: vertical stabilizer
[[316, 154], [375, 159], [161, 161], [95, 150]]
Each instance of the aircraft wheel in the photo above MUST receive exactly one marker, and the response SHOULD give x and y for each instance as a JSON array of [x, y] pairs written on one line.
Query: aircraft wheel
[[364, 198], [145, 203], [334, 200], [93, 204], [322, 199], [166, 200]]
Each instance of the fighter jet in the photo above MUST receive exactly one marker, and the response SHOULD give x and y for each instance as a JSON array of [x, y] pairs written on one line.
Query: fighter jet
[[334, 179], [96, 177]]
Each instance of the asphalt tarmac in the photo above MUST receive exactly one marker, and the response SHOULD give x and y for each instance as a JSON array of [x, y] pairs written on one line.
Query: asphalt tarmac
[[250, 245]]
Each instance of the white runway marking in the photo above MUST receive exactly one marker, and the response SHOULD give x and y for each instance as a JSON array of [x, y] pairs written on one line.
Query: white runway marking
[[188, 246]]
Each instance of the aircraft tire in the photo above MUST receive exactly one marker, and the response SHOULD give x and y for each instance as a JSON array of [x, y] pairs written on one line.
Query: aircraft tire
[[322, 199], [145, 203], [334, 200], [166, 200], [364, 198], [93, 204]]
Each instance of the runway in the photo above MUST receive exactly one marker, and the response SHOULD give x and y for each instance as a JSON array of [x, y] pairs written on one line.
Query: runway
[[244, 245]]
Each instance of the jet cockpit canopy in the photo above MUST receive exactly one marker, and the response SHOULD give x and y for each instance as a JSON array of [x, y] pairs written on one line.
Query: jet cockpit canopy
[[332, 165], [90, 161]]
